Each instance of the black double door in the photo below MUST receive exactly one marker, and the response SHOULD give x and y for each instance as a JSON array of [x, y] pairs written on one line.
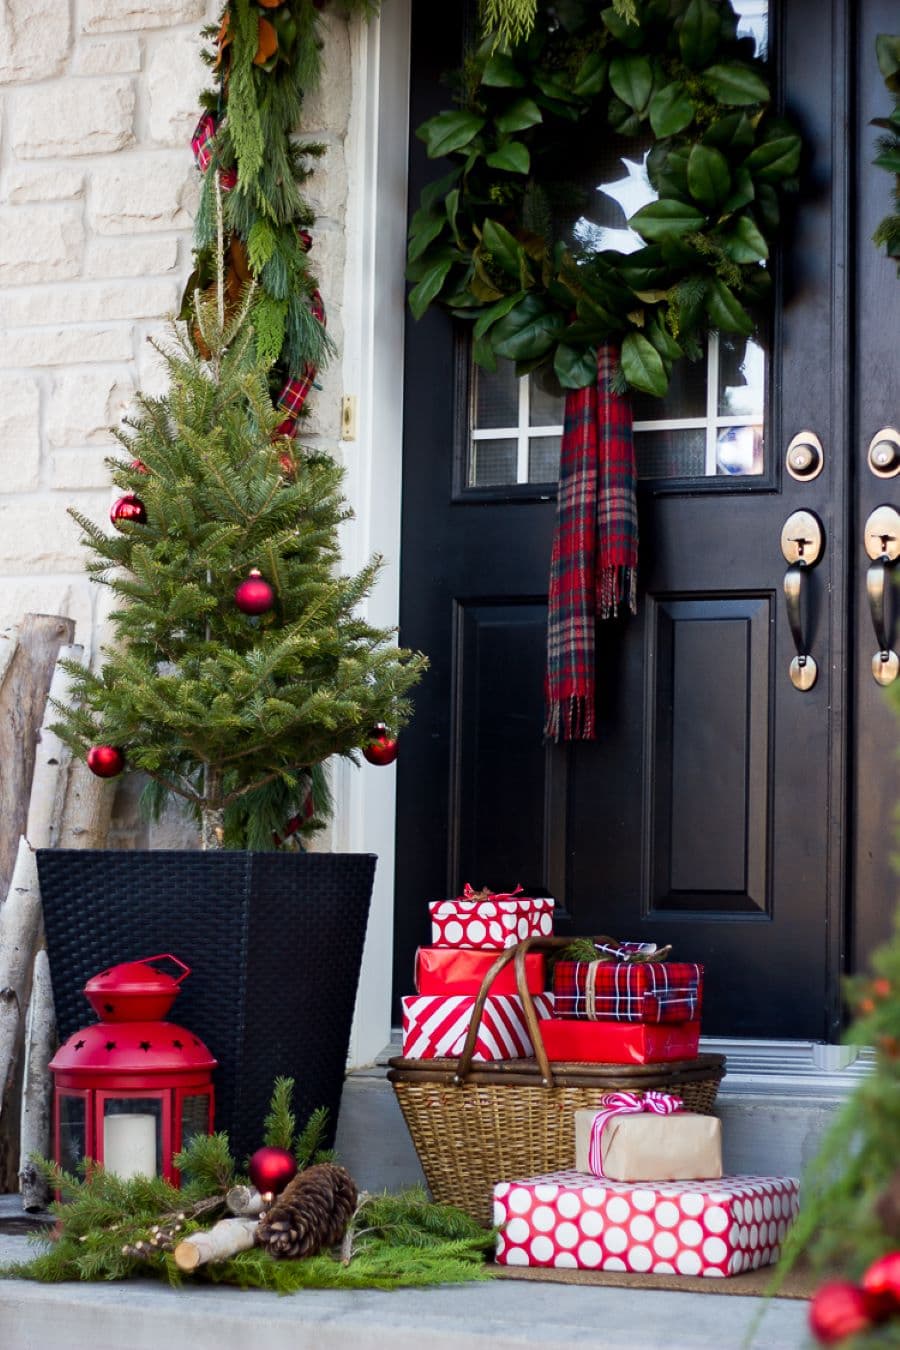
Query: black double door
[[722, 809]]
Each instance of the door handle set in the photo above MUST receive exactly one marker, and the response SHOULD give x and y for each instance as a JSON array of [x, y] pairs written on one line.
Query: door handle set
[[802, 543], [882, 544]]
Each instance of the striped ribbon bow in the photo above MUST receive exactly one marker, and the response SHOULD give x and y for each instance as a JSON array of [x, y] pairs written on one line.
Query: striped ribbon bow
[[626, 1104]]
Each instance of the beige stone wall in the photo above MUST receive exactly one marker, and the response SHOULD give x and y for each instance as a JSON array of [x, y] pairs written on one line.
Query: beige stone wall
[[98, 99]]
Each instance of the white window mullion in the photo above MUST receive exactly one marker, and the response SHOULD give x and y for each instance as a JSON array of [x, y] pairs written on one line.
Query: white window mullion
[[524, 415]]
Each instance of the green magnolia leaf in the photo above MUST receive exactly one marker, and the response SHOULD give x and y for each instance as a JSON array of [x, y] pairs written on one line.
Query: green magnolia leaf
[[887, 50], [591, 76], [513, 157], [709, 180], [451, 208], [433, 278], [775, 159], [630, 34], [437, 191], [449, 131], [575, 367], [665, 219], [553, 86], [501, 73], [631, 77], [528, 331], [504, 249], [742, 191], [490, 316], [745, 243], [659, 335], [483, 355], [424, 235], [644, 268], [667, 169], [726, 311], [671, 110], [642, 366], [732, 132], [888, 159], [698, 36], [518, 116], [767, 208], [622, 119], [735, 85]]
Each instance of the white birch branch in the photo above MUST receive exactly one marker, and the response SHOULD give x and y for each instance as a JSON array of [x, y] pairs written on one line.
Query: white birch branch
[[20, 927], [224, 1239], [244, 1201], [37, 1085], [48, 783]]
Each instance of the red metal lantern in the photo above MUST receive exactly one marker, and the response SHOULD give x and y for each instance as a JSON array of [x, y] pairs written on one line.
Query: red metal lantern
[[132, 1090]]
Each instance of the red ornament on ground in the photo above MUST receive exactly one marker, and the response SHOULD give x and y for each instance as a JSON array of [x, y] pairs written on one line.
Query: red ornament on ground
[[271, 1169], [838, 1310], [255, 595], [129, 508], [382, 748], [106, 761], [882, 1281]]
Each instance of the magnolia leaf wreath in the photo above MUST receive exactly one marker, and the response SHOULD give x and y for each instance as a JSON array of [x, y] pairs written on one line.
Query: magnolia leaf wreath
[[888, 231], [492, 242]]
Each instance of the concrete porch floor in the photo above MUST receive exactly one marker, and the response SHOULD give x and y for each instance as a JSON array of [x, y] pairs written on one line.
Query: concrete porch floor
[[769, 1126]]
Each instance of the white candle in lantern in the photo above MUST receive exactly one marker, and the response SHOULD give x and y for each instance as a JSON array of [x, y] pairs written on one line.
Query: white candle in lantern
[[129, 1145]]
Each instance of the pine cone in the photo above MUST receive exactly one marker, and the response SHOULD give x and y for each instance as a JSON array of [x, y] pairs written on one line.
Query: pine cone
[[312, 1212], [887, 1207]]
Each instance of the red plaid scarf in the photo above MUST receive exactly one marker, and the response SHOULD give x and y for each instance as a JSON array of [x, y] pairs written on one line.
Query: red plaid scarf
[[594, 564]]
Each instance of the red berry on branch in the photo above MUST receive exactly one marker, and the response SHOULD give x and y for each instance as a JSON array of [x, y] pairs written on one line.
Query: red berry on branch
[[255, 595], [271, 1169], [139, 466], [129, 508], [382, 747], [106, 761], [838, 1310]]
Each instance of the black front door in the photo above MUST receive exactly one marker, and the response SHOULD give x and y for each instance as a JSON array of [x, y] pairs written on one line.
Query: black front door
[[721, 809]]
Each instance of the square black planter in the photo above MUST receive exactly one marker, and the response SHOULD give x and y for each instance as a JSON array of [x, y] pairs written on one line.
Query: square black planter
[[274, 942]]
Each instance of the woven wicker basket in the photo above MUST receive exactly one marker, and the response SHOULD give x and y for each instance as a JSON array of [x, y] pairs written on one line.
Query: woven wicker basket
[[476, 1124]]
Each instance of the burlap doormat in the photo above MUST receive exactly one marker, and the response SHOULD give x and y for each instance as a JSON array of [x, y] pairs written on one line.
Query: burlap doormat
[[798, 1284]]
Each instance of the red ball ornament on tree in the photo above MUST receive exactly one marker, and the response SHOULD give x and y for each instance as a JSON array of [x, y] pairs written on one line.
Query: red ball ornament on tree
[[838, 1310], [129, 508], [106, 761], [882, 1283], [382, 748], [271, 1169], [255, 595], [139, 466]]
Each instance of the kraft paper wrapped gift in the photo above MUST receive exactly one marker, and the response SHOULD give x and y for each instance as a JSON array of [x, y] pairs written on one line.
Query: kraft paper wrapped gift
[[647, 1147]]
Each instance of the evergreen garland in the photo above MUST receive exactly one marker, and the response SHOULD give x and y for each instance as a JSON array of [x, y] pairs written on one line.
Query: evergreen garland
[[888, 231], [487, 244]]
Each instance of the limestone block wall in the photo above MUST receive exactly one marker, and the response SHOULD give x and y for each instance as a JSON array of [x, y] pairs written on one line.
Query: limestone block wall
[[98, 99]]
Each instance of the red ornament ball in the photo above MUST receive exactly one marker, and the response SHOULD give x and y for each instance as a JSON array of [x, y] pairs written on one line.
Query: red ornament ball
[[382, 748], [838, 1310], [139, 466], [882, 1282], [106, 761], [271, 1169], [129, 508], [255, 595]]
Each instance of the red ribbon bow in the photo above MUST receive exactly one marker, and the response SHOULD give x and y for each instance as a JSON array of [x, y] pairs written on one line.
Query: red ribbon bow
[[626, 1104], [469, 894]]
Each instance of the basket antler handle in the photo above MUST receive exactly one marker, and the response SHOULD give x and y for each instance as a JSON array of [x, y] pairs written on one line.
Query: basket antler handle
[[518, 954]]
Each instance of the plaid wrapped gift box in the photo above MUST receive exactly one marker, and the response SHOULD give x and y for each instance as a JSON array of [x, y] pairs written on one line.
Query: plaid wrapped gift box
[[714, 1228], [625, 991], [434, 1027]]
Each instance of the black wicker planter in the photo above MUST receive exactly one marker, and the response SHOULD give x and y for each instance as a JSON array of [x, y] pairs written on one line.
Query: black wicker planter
[[274, 941]]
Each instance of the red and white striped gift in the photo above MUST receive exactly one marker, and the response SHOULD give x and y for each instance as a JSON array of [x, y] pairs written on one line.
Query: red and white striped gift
[[494, 924], [435, 1026]]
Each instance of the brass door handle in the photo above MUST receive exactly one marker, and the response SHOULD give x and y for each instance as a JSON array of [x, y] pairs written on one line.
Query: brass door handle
[[802, 543], [882, 542]]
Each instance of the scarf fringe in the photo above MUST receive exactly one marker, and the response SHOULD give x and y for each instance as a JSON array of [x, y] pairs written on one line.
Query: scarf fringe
[[617, 586], [570, 719]]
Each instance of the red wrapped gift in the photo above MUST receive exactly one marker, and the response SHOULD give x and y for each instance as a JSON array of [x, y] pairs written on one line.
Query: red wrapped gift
[[619, 1042], [626, 991], [489, 920], [458, 970], [714, 1228], [434, 1027]]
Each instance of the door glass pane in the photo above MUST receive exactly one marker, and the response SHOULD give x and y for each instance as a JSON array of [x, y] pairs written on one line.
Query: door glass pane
[[194, 1117], [496, 396], [492, 462], [671, 453], [543, 459]]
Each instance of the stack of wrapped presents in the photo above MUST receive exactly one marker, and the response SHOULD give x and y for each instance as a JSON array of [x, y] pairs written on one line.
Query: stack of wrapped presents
[[646, 1190]]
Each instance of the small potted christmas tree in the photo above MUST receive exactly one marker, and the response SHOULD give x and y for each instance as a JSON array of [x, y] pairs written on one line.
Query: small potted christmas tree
[[240, 664]]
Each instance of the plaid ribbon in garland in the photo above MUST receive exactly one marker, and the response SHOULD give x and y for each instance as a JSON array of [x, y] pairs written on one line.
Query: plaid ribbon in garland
[[593, 568]]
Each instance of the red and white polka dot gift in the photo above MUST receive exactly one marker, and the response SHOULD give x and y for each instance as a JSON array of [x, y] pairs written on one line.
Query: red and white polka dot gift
[[495, 923], [715, 1228]]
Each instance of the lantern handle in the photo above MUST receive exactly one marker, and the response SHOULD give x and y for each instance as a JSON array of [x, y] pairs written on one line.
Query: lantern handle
[[166, 956]]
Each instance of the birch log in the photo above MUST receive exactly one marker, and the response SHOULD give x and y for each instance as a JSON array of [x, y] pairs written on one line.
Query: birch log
[[51, 761], [244, 1201], [26, 674], [37, 1085], [20, 928], [224, 1239]]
